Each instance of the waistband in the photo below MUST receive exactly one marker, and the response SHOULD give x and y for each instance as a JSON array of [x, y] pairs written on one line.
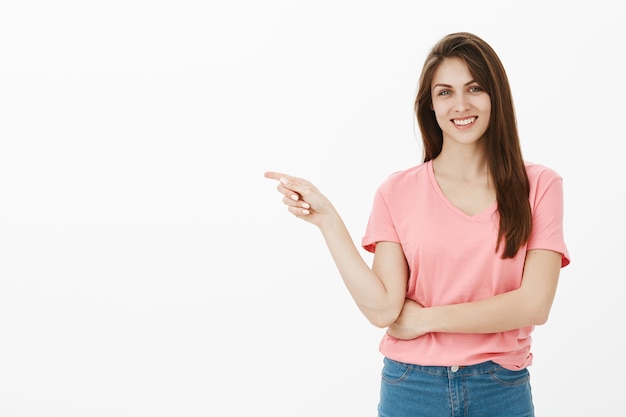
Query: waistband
[[477, 369]]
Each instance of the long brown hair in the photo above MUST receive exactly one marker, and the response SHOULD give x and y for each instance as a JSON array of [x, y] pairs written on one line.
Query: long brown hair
[[502, 146]]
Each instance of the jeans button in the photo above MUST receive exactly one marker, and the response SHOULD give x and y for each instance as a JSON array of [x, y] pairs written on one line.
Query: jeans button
[[454, 368]]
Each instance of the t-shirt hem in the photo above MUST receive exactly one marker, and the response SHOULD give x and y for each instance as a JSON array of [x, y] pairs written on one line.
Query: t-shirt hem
[[565, 259], [369, 242]]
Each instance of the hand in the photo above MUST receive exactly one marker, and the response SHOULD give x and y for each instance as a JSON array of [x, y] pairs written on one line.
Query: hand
[[302, 198], [409, 324]]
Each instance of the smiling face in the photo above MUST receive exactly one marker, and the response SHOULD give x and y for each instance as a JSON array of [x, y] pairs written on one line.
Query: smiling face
[[462, 108]]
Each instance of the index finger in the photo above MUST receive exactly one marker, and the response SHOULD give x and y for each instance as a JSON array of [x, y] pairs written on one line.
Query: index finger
[[284, 178], [288, 181], [275, 175]]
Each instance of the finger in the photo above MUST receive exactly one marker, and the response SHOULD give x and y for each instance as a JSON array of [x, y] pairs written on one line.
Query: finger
[[293, 203], [287, 192], [278, 176], [298, 186], [292, 189], [285, 178], [299, 211], [274, 175]]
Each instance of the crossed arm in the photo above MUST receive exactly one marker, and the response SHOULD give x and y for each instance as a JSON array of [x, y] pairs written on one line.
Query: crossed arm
[[528, 305], [380, 291]]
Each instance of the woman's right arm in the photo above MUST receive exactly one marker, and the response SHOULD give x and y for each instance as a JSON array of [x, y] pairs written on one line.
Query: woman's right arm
[[379, 291]]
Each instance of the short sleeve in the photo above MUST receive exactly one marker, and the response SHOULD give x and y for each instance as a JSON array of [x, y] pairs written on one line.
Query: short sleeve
[[547, 226], [380, 226]]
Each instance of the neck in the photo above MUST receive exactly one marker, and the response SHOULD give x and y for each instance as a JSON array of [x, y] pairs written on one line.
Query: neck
[[467, 163]]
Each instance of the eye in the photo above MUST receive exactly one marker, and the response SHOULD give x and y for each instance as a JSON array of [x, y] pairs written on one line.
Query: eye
[[444, 92], [475, 89]]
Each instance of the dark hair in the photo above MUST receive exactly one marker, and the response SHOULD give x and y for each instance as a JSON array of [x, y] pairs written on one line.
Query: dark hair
[[506, 165]]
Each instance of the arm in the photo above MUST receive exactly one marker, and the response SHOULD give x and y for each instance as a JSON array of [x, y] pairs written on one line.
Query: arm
[[528, 305], [379, 291]]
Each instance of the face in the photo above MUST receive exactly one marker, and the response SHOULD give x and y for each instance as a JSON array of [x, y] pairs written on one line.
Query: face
[[461, 106]]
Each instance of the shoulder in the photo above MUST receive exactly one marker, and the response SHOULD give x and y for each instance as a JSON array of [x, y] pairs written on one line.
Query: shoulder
[[540, 174], [545, 183], [406, 177]]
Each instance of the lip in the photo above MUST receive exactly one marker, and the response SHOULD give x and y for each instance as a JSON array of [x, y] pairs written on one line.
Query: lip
[[464, 122]]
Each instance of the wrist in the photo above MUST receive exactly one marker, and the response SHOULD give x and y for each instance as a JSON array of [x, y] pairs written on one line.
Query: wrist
[[427, 320], [330, 222]]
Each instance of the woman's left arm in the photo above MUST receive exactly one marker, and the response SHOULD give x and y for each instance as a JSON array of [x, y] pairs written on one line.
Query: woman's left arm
[[528, 305]]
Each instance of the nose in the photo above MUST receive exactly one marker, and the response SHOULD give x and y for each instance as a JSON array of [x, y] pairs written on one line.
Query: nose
[[461, 102]]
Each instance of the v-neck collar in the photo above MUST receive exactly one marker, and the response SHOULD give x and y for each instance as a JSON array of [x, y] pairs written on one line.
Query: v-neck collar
[[487, 212]]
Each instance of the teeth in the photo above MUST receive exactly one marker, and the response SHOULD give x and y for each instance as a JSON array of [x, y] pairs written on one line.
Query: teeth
[[464, 121]]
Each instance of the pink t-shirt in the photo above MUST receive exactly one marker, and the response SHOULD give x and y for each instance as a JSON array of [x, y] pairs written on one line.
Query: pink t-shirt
[[452, 259]]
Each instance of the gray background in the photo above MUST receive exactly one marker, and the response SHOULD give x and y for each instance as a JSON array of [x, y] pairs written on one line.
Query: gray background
[[148, 269]]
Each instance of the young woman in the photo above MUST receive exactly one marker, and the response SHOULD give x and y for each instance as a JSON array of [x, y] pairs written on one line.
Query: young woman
[[468, 247]]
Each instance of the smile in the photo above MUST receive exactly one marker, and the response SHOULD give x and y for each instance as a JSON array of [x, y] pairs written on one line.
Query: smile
[[464, 122]]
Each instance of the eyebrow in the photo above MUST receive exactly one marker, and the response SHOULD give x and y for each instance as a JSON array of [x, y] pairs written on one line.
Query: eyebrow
[[449, 86]]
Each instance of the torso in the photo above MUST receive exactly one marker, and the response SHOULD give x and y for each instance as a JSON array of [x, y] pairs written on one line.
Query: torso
[[452, 257]]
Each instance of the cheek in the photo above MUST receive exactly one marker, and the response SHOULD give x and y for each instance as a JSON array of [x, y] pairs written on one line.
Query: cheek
[[439, 111], [487, 111], [441, 119], [485, 105]]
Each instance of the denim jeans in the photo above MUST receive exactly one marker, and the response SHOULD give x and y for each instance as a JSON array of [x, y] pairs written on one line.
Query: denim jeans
[[482, 390]]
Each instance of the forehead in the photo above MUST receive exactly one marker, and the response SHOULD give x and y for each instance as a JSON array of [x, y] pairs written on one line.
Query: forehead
[[452, 71]]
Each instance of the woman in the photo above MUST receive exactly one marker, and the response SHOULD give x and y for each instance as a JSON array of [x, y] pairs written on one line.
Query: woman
[[468, 247]]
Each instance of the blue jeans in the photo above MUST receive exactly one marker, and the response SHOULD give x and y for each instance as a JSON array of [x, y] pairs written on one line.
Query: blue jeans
[[482, 390]]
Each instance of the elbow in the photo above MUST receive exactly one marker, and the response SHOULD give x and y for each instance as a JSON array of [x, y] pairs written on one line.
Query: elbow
[[538, 314], [382, 319], [540, 318], [537, 306], [381, 324], [383, 314]]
